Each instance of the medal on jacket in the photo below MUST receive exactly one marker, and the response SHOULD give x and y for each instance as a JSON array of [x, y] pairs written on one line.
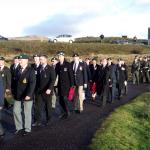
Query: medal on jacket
[[2, 75], [24, 81], [122, 68], [65, 69], [81, 68]]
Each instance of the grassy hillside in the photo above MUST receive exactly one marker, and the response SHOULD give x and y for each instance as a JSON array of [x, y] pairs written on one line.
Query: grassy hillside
[[30, 47], [128, 128]]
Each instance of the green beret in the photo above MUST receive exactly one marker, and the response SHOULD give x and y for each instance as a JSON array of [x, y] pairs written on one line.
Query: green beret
[[23, 56]]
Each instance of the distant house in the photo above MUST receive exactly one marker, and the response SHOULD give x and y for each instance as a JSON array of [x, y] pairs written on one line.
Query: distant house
[[3, 38]]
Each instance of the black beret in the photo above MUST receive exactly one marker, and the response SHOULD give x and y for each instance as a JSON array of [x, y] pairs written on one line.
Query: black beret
[[61, 53], [75, 55], [54, 58], [2, 58]]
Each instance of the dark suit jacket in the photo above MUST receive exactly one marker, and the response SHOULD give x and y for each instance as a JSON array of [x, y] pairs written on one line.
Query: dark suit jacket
[[1, 93], [65, 78], [6, 76], [122, 74], [25, 84], [102, 79], [93, 71], [80, 76], [14, 72], [45, 79], [37, 74]]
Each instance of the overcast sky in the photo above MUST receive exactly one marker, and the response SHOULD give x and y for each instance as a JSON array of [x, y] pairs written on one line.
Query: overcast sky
[[76, 17]]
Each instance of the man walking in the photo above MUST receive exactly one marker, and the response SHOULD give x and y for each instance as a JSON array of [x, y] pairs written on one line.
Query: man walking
[[24, 96], [1, 106], [6, 77], [44, 90], [65, 82], [80, 82]]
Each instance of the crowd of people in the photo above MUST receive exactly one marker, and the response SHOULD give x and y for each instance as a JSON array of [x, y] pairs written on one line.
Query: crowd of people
[[37, 87]]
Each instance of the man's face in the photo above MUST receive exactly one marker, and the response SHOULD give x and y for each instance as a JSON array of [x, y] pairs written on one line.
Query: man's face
[[87, 61], [2, 63], [43, 60], [94, 62], [109, 62], [37, 60], [23, 62], [54, 62], [76, 59], [61, 57], [16, 61], [104, 62]]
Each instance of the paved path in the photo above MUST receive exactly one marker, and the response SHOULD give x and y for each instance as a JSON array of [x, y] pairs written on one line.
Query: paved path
[[74, 133]]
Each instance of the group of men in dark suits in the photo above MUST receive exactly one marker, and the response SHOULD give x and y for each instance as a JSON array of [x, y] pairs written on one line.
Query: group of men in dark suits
[[110, 79], [36, 87]]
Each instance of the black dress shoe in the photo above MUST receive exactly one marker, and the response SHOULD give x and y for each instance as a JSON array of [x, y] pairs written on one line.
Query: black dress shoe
[[36, 124], [2, 135], [19, 132], [25, 133]]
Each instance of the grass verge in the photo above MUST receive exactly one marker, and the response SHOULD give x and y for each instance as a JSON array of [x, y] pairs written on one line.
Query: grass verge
[[127, 128]]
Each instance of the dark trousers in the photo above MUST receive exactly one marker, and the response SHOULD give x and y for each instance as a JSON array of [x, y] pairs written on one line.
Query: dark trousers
[[111, 93], [40, 101], [63, 101], [1, 127]]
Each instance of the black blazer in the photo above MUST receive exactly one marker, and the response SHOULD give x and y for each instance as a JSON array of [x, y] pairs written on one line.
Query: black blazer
[[122, 74], [6, 77], [80, 76], [37, 74], [45, 79], [1, 93], [102, 79], [93, 71], [65, 78], [25, 84], [14, 71]]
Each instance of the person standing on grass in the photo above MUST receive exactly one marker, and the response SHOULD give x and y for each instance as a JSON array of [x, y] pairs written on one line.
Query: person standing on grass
[[1, 106], [135, 70], [24, 97]]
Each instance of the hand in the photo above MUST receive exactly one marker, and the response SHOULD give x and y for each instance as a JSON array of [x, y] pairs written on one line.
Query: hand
[[110, 85], [1, 107], [27, 98], [48, 91], [85, 86], [7, 90], [125, 83]]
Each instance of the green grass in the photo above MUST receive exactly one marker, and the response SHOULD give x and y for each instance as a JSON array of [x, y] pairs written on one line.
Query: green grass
[[30, 47], [127, 128]]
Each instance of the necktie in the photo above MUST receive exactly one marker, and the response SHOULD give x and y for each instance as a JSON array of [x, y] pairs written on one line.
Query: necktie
[[75, 66]]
